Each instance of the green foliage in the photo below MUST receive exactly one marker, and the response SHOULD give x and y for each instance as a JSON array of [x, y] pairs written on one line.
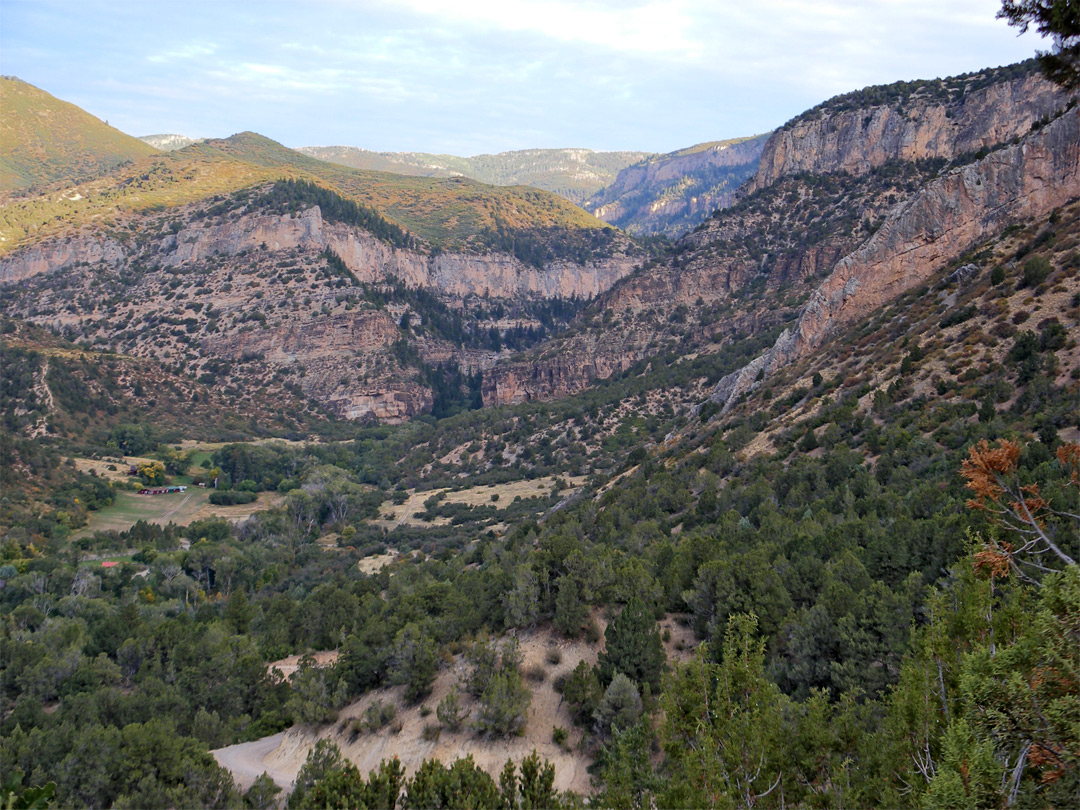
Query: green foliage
[[633, 647], [723, 733], [1036, 269], [450, 711], [317, 693], [582, 693], [504, 705], [262, 795], [626, 768], [30, 798], [231, 497], [293, 196], [414, 662], [570, 611], [1058, 20], [461, 785], [620, 707], [379, 715]]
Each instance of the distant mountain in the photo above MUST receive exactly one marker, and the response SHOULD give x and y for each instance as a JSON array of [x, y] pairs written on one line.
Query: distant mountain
[[670, 194], [445, 213], [169, 143], [571, 173], [44, 139]]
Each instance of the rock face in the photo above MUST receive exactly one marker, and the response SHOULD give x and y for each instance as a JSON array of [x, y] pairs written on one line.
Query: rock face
[[828, 248], [671, 193], [858, 140], [456, 274], [44, 258], [939, 223], [248, 300]]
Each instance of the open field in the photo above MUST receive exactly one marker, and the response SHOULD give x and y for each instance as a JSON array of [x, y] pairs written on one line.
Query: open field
[[181, 509], [112, 469], [392, 515]]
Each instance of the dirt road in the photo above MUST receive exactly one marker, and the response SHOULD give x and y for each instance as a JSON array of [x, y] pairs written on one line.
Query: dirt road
[[245, 762]]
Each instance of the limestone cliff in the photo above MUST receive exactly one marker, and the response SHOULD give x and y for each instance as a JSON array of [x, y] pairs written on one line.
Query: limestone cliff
[[370, 259], [672, 193], [934, 121], [245, 299], [60, 253], [945, 218]]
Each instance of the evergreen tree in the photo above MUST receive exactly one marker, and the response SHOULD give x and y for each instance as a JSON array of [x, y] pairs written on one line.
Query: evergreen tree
[[633, 647]]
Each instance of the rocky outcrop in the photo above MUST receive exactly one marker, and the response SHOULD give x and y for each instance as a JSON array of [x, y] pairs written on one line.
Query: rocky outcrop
[[671, 193], [553, 377], [858, 140], [59, 254], [920, 236], [455, 274], [246, 300]]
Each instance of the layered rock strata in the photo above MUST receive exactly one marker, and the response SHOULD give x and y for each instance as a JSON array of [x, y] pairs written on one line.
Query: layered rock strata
[[858, 140], [945, 218]]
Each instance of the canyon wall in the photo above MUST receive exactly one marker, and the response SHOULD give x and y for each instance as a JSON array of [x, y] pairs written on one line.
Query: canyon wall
[[858, 140], [945, 218]]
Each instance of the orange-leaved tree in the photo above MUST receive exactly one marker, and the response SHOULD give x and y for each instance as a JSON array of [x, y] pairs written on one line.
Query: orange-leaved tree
[[992, 474]]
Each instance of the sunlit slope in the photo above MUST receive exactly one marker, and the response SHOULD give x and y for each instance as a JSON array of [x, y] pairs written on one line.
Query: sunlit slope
[[44, 140], [446, 212], [571, 173]]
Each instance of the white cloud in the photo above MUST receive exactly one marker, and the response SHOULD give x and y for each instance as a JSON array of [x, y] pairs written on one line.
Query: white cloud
[[654, 27]]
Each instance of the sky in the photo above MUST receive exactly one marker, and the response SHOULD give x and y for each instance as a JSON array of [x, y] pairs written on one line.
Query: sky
[[484, 76]]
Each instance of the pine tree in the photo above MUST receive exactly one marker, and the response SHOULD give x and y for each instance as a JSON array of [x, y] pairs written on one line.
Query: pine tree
[[633, 647]]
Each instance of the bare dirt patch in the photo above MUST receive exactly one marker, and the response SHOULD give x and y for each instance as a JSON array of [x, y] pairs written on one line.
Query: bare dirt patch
[[392, 515], [283, 755], [374, 564], [100, 466], [288, 666], [542, 650]]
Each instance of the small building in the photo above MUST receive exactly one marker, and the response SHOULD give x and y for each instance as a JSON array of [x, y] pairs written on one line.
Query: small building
[[160, 490]]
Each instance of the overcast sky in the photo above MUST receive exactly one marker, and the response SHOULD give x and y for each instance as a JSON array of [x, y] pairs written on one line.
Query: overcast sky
[[476, 76]]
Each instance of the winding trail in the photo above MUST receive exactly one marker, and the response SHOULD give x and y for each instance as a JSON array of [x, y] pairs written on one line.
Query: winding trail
[[408, 511], [172, 511], [245, 761]]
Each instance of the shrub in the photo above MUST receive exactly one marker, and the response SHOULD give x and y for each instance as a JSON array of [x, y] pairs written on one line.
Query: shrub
[[450, 711], [1036, 269], [504, 705], [231, 497], [536, 673], [378, 714]]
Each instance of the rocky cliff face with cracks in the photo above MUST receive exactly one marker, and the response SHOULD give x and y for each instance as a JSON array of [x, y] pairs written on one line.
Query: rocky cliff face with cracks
[[670, 194], [925, 127], [247, 300], [456, 274], [944, 219]]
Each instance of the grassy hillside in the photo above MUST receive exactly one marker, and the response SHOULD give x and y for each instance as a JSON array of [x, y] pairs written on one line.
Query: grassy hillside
[[445, 212], [571, 173], [44, 139]]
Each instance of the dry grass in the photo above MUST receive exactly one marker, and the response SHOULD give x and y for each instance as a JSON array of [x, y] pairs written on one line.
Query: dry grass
[[393, 515]]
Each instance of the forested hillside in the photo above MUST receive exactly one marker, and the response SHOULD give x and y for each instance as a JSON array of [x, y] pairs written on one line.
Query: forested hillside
[[657, 567]]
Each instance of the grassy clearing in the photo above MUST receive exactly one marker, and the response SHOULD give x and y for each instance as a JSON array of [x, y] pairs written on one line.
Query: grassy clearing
[[392, 515], [181, 509]]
